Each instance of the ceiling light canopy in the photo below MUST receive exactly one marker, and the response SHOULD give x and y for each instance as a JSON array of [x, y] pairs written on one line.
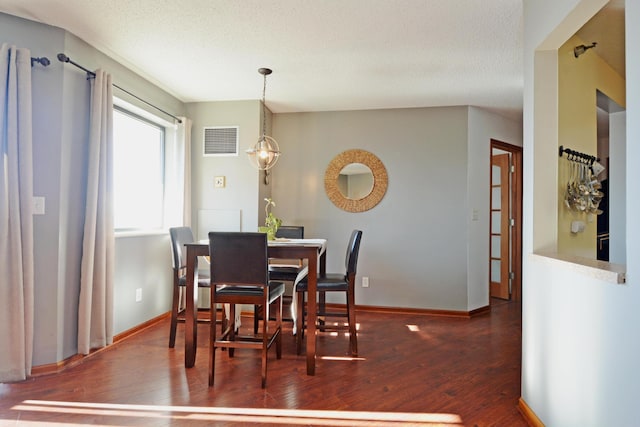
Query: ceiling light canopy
[[264, 154]]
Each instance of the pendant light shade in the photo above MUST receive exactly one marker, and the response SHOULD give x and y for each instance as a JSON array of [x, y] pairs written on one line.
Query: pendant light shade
[[264, 154]]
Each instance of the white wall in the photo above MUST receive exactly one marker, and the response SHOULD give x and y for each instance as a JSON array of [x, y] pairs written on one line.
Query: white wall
[[580, 356], [618, 187]]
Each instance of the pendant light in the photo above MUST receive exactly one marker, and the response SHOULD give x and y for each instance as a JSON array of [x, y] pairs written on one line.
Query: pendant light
[[264, 154]]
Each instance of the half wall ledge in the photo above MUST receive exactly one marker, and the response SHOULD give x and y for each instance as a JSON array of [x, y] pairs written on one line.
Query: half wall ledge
[[601, 270]]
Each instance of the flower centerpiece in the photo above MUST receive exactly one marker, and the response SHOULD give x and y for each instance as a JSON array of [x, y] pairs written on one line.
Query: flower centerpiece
[[271, 223]]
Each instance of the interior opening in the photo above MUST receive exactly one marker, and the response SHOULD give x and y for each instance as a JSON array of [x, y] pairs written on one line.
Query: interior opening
[[611, 124], [592, 126]]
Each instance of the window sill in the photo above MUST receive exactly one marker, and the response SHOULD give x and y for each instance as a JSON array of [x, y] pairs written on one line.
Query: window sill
[[140, 233], [602, 270]]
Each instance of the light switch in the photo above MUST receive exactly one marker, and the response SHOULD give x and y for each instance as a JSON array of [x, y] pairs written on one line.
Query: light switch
[[38, 205], [219, 181]]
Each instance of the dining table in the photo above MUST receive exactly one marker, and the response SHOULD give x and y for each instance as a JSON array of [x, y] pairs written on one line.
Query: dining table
[[311, 250]]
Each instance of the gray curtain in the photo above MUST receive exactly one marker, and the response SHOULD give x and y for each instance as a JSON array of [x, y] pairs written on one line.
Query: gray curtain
[[177, 176], [184, 142], [95, 314], [16, 221]]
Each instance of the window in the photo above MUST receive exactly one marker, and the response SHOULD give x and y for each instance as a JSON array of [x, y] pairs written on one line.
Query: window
[[139, 172]]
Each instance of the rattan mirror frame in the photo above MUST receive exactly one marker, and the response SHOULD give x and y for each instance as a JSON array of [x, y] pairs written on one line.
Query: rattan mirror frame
[[380, 180]]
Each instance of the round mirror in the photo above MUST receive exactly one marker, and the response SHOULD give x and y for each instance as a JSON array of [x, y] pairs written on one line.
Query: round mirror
[[355, 180]]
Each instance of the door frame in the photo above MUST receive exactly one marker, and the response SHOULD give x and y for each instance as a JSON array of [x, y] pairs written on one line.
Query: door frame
[[516, 230]]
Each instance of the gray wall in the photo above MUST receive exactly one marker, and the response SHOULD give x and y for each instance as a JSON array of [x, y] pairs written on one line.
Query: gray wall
[[53, 323], [60, 129], [483, 126], [419, 247], [242, 191]]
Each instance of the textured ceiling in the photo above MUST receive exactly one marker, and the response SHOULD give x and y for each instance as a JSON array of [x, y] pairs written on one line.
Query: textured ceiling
[[325, 55]]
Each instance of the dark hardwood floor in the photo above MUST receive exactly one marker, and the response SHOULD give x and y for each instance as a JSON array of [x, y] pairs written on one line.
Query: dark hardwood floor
[[413, 370]]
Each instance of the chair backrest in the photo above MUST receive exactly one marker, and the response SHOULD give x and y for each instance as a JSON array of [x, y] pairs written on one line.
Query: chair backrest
[[290, 231], [238, 258], [180, 236], [351, 260]]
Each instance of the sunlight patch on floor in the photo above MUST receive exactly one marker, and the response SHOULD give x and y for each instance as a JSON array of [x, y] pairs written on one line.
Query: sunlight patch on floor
[[253, 415], [341, 358]]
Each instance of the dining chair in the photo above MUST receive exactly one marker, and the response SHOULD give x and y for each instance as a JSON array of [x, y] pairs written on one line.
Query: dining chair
[[290, 232], [240, 275], [334, 282], [286, 270], [180, 236]]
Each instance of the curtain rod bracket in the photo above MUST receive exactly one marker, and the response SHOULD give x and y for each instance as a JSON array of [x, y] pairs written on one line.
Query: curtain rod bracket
[[43, 60]]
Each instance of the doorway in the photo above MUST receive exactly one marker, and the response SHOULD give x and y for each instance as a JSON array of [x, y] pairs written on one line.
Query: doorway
[[505, 229], [611, 220]]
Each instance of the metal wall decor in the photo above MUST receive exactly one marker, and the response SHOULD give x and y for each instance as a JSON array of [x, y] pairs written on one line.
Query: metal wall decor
[[583, 188]]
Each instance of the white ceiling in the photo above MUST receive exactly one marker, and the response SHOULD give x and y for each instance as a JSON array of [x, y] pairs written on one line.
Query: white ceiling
[[325, 55]]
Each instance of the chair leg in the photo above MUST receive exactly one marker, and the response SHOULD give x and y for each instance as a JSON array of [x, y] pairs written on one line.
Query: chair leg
[[279, 328], [212, 342], [256, 318], [322, 299], [174, 316], [322, 307], [223, 318], [300, 322], [351, 315], [265, 339], [232, 329]]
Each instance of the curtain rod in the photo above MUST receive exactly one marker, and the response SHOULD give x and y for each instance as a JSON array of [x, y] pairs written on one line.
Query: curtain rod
[[64, 58]]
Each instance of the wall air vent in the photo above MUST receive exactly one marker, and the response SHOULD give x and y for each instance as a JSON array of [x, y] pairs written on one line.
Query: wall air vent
[[221, 141]]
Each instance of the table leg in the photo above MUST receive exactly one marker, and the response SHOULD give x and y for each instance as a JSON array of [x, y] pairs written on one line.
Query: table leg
[[191, 297]]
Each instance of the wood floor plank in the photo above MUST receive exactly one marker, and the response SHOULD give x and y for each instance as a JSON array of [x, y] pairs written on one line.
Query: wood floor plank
[[425, 370]]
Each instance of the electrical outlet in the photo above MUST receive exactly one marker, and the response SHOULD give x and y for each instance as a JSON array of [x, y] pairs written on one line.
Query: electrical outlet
[[138, 294], [365, 282], [219, 182]]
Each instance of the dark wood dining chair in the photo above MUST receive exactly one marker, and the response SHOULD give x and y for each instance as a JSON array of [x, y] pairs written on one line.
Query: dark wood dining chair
[[334, 282], [287, 270], [290, 232], [240, 275], [284, 270], [180, 236]]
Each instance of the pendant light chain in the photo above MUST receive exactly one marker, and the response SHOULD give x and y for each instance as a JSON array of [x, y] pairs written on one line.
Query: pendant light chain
[[264, 111], [264, 154]]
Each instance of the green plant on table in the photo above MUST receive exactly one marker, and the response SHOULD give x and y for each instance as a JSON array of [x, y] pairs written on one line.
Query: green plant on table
[[271, 222]]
